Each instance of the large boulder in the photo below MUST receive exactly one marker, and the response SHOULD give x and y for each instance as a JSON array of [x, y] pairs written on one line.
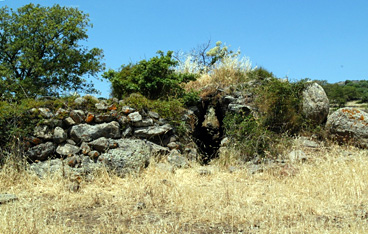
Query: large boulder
[[131, 156], [86, 132], [41, 152], [349, 124], [61, 167], [315, 103]]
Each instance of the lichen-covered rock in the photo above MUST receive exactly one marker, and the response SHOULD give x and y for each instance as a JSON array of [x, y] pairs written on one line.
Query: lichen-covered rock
[[86, 132], [135, 117], [77, 115], [43, 131], [123, 120], [349, 124], [101, 105], [69, 121], [152, 131], [103, 118], [67, 149], [60, 167], [80, 101], [127, 110], [101, 144], [5, 198], [41, 152], [61, 113], [144, 123], [211, 120], [89, 118], [85, 148], [59, 135], [315, 103], [153, 114], [46, 112], [132, 155]]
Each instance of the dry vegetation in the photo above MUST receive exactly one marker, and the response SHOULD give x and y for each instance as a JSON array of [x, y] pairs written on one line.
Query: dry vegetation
[[326, 194]]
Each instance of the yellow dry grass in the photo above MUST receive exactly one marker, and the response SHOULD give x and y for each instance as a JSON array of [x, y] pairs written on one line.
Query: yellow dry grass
[[231, 70], [326, 194]]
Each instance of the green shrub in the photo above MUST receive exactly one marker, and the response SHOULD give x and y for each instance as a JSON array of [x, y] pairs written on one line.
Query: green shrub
[[280, 105], [17, 121], [260, 73], [250, 137], [155, 78]]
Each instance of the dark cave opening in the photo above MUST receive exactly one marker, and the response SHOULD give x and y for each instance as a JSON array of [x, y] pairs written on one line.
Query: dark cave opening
[[208, 139]]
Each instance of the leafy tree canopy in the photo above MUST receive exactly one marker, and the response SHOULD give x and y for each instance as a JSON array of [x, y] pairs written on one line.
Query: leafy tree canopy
[[155, 78], [40, 51]]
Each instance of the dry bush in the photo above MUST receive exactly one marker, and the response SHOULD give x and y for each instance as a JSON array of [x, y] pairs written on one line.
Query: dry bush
[[326, 194], [231, 70]]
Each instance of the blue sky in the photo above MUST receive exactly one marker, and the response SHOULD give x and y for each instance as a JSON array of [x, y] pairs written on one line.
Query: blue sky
[[317, 39]]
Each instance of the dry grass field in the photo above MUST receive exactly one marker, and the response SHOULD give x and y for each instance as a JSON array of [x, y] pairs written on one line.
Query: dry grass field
[[326, 194]]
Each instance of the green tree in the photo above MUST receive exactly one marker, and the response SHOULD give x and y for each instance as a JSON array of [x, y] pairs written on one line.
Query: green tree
[[40, 51], [155, 78]]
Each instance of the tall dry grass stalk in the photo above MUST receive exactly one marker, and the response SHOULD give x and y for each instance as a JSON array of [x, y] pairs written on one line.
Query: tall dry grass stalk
[[231, 70], [326, 194]]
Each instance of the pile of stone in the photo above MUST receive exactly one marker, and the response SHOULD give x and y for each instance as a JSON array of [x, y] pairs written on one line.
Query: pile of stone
[[119, 137]]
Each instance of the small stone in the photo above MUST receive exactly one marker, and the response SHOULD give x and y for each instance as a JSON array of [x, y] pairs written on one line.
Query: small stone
[[43, 132], [123, 120], [112, 107], [71, 142], [67, 149], [46, 113], [144, 123], [80, 101], [140, 206], [85, 148], [35, 140], [77, 116], [5, 198], [173, 145], [73, 161], [135, 117], [204, 171], [127, 132], [151, 131], [153, 114], [127, 110], [59, 135], [60, 113], [90, 117], [101, 106], [41, 152], [94, 154], [224, 142], [103, 118], [101, 144], [69, 121]]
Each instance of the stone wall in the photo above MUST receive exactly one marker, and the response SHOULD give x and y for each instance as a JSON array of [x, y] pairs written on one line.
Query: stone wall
[[118, 136]]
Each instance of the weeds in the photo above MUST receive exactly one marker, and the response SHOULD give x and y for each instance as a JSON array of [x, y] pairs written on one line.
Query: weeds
[[327, 194]]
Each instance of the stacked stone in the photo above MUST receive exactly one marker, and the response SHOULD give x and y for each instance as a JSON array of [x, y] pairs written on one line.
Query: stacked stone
[[81, 132]]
